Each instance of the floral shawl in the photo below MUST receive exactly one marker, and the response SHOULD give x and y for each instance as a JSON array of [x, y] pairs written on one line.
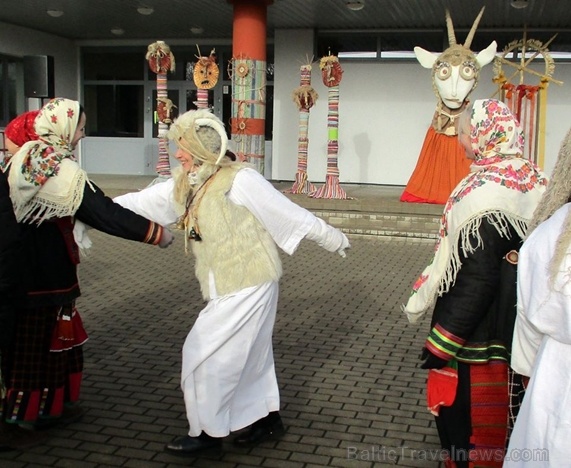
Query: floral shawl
[[45, 179], [503, 187]]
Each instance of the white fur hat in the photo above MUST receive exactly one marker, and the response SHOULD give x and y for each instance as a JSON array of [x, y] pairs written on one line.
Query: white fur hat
[[202, 134]]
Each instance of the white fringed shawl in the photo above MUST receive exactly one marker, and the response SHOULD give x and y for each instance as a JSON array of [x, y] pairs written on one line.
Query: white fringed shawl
[[504, 192], [61, 195], [45, 179]]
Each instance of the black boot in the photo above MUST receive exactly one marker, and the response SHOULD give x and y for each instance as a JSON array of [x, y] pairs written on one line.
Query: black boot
[[270, 427], [187, 445]]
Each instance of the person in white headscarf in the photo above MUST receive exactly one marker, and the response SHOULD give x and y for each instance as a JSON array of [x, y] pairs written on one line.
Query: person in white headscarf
[[234, 220], [541, 346], [470, 283], [43, 192]]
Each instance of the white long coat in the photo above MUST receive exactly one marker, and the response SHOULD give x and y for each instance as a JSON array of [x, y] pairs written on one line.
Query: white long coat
[[228, 375], [542, 350]]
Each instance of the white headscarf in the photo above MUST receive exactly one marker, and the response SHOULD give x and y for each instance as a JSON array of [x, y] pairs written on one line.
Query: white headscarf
[[503, 187], [45, 179]]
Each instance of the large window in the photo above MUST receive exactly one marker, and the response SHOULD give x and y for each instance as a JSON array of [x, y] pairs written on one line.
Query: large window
[[113, 92], [115, 81], [105, 65], [114, 110], [12, 99], [382, 45]]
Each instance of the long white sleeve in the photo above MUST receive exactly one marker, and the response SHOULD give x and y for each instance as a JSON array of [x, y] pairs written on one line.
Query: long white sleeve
[[544, 309], [155, 202], [287, 222], [525, 345], [328, 237]]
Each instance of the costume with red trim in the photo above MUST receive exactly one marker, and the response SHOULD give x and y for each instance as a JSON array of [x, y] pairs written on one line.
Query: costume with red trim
[[42, 193], [471, 283]]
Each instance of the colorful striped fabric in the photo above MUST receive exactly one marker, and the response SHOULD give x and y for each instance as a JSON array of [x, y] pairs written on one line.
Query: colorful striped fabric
[[489, 413]]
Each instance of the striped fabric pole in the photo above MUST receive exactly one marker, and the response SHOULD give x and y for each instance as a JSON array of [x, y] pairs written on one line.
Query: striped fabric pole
[[202, 98], [304, 96], [249, 109], [163, 167], [331, 74], [161, 61]]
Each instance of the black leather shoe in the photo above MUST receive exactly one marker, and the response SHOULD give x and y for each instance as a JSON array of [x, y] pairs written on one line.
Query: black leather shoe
[[187, 445], [270, 427]]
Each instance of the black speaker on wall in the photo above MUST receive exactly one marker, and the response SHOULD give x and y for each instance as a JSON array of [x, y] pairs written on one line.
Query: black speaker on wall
[[39, 76]]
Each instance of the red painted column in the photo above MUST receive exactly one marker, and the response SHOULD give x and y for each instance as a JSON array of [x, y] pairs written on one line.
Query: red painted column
[[249, 80]]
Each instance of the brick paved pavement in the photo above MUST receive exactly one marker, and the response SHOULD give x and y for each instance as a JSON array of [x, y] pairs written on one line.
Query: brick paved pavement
[[352, 393], [346, 358]]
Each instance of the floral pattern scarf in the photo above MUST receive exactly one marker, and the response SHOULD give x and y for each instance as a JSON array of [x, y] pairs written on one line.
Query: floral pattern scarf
[[45, 179], [503, 187]]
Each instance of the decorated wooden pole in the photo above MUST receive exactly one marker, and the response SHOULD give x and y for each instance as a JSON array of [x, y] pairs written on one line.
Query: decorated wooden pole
[[161, 61], [205, 77], [527, 102], [331, 73], [304, 97], [248, 72]]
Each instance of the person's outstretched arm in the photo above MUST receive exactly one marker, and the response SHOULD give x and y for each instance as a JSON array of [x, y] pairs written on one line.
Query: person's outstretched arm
[[101, 213], [154, 202], [287, 222]]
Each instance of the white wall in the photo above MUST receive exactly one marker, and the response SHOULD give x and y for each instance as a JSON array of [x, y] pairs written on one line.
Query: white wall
[[17, 42], [385, 110], [124, 156]]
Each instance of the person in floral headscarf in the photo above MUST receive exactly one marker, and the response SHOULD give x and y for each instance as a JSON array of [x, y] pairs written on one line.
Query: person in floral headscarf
[[470, 282], [42, 192]]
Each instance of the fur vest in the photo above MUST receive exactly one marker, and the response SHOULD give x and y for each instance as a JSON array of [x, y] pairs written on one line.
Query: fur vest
[[235, 247]]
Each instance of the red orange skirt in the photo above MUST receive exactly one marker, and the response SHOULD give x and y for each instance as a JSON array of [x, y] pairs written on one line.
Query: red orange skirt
[[442, 163]]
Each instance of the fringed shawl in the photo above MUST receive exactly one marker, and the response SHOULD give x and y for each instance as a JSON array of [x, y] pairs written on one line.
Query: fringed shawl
[[45, 179], [59, 196], [503, 187]]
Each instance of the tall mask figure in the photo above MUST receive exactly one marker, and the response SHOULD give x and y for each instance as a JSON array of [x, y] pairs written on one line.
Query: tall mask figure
[[442, 162]]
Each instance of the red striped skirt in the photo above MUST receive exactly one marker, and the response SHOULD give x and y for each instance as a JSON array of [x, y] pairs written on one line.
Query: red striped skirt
[[473, 430], [42, 370]]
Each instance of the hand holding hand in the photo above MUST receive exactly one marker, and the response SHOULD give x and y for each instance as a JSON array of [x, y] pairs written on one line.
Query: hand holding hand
[[80, 235], [167, 238]]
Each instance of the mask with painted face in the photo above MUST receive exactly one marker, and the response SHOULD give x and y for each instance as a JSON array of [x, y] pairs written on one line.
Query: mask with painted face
[[455, 71]]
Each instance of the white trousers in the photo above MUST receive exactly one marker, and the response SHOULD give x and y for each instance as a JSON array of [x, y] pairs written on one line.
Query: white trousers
[[228, 374]]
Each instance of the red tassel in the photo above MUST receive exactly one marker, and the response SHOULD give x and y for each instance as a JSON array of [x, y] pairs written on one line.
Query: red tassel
[[68, 332], [64, 328]]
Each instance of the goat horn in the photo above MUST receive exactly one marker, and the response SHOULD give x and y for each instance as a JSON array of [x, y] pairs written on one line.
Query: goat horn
[[468, 42], [450, 26]]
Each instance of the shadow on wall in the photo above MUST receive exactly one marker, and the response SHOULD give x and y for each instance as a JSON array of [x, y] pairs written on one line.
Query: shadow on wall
[[363, 148]]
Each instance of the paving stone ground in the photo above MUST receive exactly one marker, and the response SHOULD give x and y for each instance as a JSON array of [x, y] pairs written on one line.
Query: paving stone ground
[[346, 358]]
